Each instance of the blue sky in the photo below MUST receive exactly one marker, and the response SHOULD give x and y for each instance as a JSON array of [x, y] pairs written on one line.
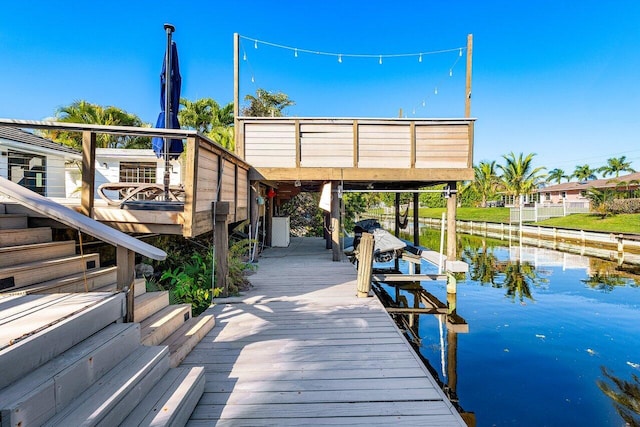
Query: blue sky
[[551, 77]]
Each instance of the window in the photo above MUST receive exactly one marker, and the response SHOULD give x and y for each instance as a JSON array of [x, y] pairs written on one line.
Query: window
[[547, 196], [138, 172], [563, 194], [28, 170]]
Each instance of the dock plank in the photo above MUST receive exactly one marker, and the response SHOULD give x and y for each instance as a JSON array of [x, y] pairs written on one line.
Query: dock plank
[[301, 348]]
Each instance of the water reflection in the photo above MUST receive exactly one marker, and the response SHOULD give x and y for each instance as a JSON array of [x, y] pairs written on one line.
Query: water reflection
[[625, 396], [572, 314], [515, 275]]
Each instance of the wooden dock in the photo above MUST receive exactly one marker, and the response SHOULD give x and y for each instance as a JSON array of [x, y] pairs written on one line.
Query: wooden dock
[[300, 348]]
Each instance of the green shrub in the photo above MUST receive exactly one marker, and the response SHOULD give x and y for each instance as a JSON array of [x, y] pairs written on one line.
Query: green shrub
[[623, 206]]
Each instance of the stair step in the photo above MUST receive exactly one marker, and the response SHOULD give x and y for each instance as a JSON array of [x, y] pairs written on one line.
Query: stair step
[[156, 328], [149, 303], [25, 236], [185, 338], [139, 287], [42, 393], [109, 400], [171, 401], [14, 255], [36, 328], [96, 280], [15, 277], [13, 221]]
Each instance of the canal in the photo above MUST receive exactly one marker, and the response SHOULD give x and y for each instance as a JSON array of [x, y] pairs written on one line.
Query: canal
[[533, 336]]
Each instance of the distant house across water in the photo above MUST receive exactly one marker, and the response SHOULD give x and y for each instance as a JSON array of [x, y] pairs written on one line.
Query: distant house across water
[[577, 191]]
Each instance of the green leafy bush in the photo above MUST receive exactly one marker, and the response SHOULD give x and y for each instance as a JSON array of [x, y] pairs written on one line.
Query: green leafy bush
[[623, 206]]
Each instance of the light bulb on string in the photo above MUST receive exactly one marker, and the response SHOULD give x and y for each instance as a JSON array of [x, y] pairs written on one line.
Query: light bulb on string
[[295, 53], [460, 52], [424, 103], [380, 61], [420, 58], [244, 57], [255, 44], [450, 72], [435, 91], [253, 80], [340, 58]]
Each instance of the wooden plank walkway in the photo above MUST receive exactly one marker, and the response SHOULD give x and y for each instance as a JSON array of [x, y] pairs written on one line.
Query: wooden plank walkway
[[300, 348]]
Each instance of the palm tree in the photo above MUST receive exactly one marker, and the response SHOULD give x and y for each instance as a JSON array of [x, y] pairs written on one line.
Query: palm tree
[[204, 114], [584, 173], [519, 177], [266, 104], [88, 113], [615, 166], [557, 175], [485, 183]]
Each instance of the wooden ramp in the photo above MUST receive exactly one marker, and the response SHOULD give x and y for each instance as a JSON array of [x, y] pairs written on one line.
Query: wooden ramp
[[300, 348]]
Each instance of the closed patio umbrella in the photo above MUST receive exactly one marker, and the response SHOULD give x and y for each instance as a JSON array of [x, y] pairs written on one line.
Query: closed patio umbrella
[[170, 86]]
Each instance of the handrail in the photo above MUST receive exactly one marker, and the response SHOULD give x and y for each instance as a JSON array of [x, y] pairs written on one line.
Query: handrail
[[76, 220]]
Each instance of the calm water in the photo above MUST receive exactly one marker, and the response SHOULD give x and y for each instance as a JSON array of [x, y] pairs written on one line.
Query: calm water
[[542, 325]]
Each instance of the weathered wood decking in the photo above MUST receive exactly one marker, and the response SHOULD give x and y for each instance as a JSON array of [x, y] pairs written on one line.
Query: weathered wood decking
[[300, 348]]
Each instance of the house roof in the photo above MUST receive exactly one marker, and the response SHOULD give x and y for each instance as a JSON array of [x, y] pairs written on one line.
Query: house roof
[[18, 135], [609, 182]]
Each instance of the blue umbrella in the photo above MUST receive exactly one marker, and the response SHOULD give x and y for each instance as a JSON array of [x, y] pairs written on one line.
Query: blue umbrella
[[171, 147]]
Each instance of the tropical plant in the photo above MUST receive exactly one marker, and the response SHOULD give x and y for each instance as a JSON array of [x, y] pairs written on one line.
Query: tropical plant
[[584, 173], [616, 165], [88, 113], [266, 104], [207, 117], [557, 175], [192, 282], [486, 182], [519, 177], [599, 199], [625, 396]]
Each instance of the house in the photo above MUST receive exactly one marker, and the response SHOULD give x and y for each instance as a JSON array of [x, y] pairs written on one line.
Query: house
[[577, 191], [35, 162]]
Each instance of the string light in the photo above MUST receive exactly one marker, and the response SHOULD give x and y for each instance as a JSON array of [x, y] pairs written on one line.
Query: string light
[[424, 103], [340, 59], [353, 55], [244, 57], [296, 53], [435, 92], [450, 72]]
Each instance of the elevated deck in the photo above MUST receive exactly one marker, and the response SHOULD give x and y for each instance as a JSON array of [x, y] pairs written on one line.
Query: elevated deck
[[301, 348], [358, 149]]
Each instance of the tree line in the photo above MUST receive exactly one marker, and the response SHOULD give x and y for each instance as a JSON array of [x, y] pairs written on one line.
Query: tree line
[[204, 115]]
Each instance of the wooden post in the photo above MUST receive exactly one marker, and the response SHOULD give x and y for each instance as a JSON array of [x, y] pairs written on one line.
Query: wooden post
[[397, 215], [467, 103], [335, 222], [416, 219], [88, 172], [325, 226], [239, 146], [221, 242], [125, 277], [452, 203], [365, 264]]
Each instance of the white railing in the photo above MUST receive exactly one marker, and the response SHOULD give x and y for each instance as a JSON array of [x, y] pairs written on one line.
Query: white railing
[[541, 211]]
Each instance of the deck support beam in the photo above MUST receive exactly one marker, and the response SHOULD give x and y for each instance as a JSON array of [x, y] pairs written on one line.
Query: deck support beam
[[221, 243], [335, 222], [88, 172], [452, 203], [416, 219], [125, 276], [365, 264]]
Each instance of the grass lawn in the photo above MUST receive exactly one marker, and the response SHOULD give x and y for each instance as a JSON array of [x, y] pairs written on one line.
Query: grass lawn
[[622, 223]]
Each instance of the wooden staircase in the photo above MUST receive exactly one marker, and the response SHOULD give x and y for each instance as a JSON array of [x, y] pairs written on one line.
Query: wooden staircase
[[81, 367]]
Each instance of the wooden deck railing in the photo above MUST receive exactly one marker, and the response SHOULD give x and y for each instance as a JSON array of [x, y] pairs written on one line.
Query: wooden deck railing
[[210, 174], [358, 149]]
